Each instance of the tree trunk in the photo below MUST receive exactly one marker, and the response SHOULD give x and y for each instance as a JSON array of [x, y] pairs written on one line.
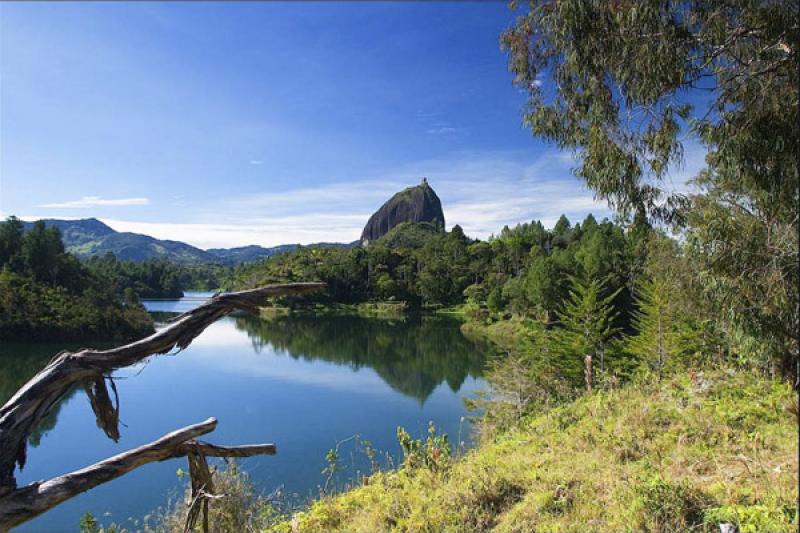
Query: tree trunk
[[587, 370], [32, 402]]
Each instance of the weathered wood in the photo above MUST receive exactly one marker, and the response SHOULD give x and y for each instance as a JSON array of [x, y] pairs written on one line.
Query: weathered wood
[[24, 411], [34, 499], [212, 450], [30, 501]]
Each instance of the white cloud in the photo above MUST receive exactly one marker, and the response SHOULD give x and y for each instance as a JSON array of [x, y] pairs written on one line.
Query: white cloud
[[264, 231], [442, 130], [96, 201], [481, 193], [484, 193], [694, 160], [357, 195], [256, 162]]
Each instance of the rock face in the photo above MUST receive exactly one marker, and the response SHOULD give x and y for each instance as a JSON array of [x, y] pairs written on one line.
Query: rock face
[[414, 204]]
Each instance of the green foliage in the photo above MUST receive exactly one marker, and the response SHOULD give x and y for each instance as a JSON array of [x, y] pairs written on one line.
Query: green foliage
[[668, 506], [240, 508], [657, 339], [157, 278], [523, 271], [520, 384], [621, 74], [751, 518], [587, 324], [433, 454], [650, 456], [45, 293], [414, 263], [88, 524], [619, 82], [747, 256]]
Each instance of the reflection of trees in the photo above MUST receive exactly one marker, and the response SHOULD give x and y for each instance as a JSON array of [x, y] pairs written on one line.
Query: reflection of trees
[[19, 363], [412, 356]]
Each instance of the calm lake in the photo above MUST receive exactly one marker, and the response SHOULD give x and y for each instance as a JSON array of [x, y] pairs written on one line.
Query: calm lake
[[301, 382]]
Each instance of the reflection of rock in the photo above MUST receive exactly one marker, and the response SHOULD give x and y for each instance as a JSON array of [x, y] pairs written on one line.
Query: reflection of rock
[[414, 204], [412, 356]]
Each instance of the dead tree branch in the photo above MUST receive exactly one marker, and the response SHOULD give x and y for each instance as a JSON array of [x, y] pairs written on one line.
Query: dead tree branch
[[30, 501], [91, 368]]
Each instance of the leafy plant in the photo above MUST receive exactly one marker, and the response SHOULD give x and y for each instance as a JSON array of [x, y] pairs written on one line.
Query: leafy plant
[[433, 454]]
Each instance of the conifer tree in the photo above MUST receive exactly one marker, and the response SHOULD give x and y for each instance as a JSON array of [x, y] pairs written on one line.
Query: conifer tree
[[657, 339], [587, 324]]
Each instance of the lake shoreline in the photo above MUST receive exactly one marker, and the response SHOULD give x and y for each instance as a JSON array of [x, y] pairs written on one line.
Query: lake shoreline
[[370, 373]]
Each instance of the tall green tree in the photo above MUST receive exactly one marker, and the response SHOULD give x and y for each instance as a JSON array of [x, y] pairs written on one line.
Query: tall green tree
[[657, 340], [11, 233], [587, 326], [42, 251], [623, 84]]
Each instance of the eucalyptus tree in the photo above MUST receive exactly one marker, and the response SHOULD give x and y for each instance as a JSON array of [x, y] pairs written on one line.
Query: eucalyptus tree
[[626, 84]]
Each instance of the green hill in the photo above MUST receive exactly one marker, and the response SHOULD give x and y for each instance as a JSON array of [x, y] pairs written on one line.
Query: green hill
[[90, 237], [409, 235], [684, 454]]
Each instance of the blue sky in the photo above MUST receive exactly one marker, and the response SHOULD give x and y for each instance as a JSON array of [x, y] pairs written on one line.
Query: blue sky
[[268, 123]]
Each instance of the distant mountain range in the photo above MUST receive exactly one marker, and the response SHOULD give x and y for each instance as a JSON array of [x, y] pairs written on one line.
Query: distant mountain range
[[89, 237]]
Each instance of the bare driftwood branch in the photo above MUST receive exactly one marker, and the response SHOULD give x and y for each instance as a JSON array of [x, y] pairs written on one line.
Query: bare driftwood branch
[[30, 501], [91, 368]]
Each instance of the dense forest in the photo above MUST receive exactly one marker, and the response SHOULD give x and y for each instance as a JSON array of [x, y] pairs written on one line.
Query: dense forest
[[47, 294], [158, 278], [523, 270], [611, 279]]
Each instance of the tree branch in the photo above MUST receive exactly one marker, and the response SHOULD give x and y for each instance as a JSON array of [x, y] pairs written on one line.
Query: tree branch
[[25, 410], [28, 502]]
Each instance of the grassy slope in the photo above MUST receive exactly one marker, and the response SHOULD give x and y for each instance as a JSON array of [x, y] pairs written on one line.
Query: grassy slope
[[692, 450]]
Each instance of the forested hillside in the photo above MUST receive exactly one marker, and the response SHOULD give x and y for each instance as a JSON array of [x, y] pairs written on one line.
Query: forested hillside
[[46, 294], [90, 238]]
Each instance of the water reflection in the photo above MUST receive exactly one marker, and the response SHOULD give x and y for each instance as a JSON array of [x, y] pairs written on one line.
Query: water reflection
[[19, 362], [413, 356], [306, 382]]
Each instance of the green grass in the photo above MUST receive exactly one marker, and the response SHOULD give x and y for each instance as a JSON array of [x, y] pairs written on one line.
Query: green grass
[[508, 335], [679, 455]]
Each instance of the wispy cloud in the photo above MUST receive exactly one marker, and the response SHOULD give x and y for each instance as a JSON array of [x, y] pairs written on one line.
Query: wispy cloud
[[256, 162], [264, 231], [342, 198], [480, 192], [96, 201], [442, 130]]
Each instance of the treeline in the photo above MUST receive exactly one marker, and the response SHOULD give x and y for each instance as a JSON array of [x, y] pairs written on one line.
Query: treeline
[[157, 278], [620, 292], [47, 294], [414, 263], [524, 271]]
